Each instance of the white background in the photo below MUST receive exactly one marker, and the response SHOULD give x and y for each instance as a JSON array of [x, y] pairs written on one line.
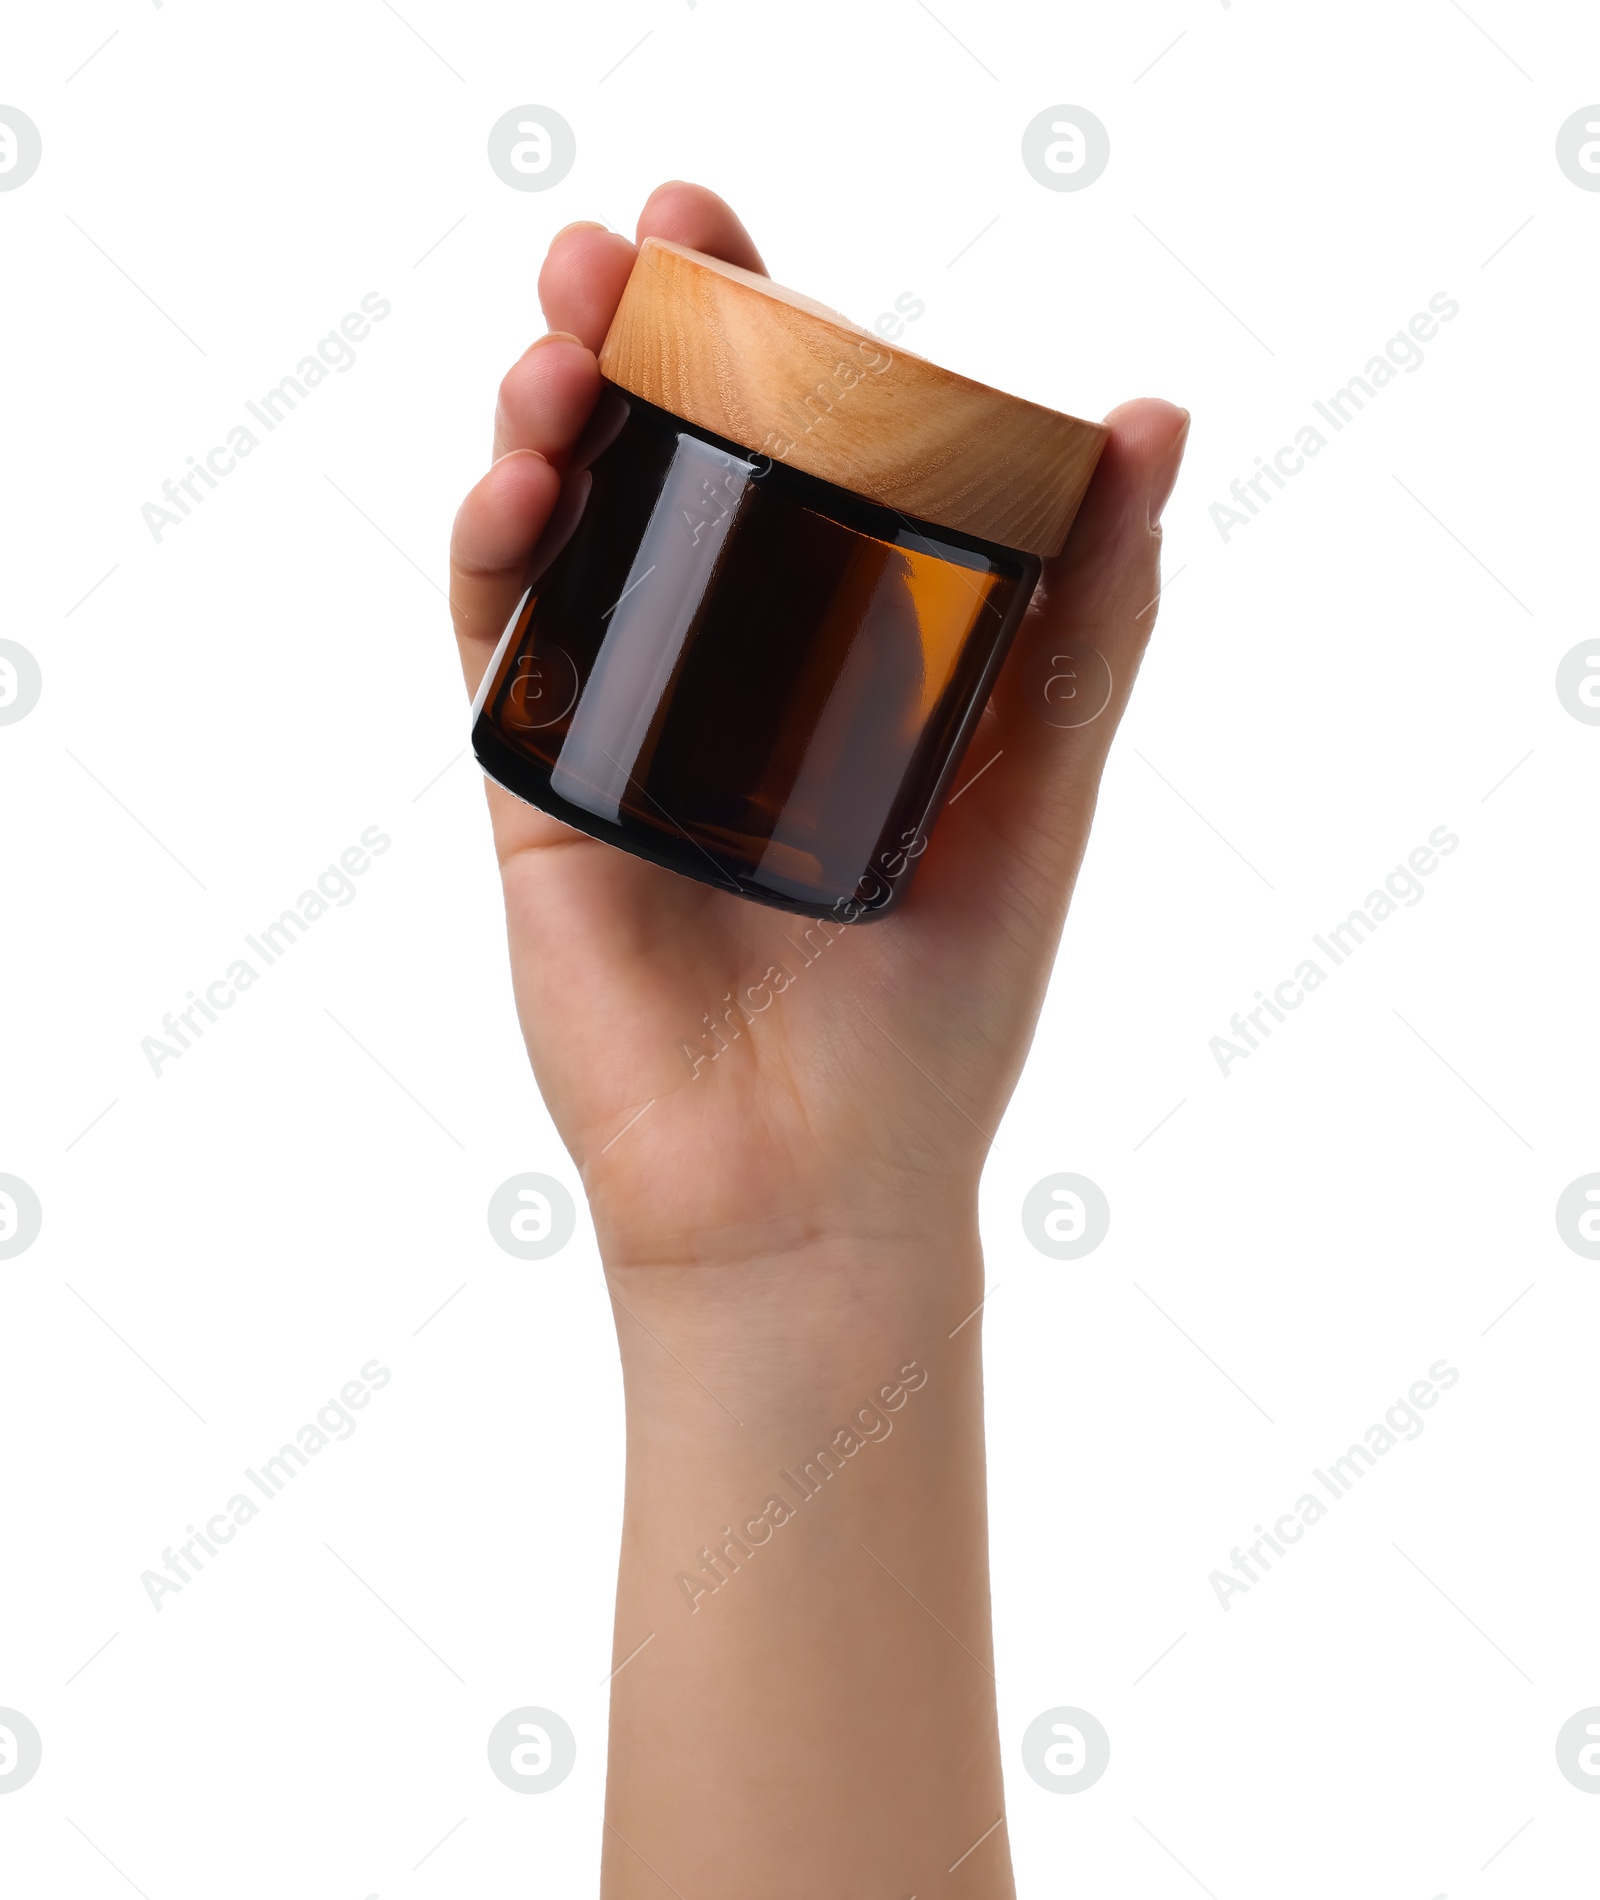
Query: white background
[[1297, 1244]]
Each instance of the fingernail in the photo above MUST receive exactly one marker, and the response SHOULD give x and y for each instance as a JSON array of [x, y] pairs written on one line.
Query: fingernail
[[556, 336], [1166, 478], [580, 224]]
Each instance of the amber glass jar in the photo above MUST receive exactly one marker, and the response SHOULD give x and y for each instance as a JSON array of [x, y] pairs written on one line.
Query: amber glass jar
[[729, 660]]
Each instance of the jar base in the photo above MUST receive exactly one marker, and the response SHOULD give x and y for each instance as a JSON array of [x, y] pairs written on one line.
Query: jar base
[[513, 771]]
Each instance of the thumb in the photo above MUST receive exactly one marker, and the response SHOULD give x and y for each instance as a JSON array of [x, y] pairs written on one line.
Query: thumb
[[1071, 670]]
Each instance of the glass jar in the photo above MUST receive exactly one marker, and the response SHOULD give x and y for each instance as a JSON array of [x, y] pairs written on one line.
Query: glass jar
[[730, 665]]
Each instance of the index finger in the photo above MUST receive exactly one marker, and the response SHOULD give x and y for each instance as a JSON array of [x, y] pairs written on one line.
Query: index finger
[[583, 276]]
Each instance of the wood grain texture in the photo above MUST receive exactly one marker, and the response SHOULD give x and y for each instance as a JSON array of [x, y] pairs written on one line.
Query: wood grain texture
[[784, 376]]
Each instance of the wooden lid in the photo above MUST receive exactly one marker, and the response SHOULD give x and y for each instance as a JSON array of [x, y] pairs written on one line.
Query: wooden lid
[[782, 376]]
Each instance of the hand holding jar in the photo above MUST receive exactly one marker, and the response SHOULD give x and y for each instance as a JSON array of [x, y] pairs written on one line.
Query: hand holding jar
[[783, 651]]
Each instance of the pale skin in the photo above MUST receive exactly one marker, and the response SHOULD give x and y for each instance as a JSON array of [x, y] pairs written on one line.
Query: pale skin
[[787, 1228]]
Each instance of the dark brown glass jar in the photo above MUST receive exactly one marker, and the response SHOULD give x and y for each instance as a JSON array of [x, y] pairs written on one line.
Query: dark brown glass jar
[[734, 666]]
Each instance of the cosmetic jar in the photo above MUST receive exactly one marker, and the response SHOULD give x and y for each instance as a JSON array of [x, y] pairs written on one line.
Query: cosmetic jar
[[775, 593]]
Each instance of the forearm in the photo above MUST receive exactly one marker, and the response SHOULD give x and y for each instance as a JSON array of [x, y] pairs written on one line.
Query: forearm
[[804, 1559]]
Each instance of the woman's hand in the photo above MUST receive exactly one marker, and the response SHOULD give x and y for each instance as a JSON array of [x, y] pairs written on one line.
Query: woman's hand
[[860, 1102], [803, 1698]]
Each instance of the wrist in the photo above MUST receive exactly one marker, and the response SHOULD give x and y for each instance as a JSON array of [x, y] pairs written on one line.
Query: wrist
[[797, 1323], [763, 1383], [822, 1210]]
